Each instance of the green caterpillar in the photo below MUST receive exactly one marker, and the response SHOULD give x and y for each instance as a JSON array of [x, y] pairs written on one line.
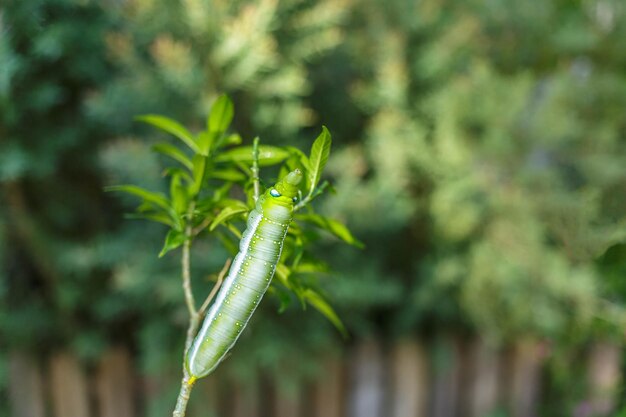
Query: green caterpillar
[[248, 278]]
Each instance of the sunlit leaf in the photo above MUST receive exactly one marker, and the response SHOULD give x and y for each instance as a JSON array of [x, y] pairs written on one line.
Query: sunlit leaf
[[296, 160], [283, 296], [156, 198], [174, 153], [230, 140], [199, 168], [229, 175], [226, 214], [178, 194], [311, 267], [221, 115], [171, 126], [282, 273], [171, 171], [268, 155], [333, 226], [155, 217], [321, 305], [205, 141], [173, 240], [319, 157]]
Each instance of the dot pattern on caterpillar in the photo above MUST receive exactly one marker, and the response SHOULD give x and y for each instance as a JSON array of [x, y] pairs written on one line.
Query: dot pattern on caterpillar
[[248, 278]]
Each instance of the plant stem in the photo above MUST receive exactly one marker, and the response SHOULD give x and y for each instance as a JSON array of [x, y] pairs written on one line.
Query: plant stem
[[194, 316], [186, 268], [194, 319], [216, 287], [312, 194], [183, 396], [255, 168]]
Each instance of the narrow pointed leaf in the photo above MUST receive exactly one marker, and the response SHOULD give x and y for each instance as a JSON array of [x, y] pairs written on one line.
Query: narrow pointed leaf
[[268, 155], [173, 240], [156, 198], [178, 194], [333, 226], [228, 175], [225, 215], [321, 305], [155, 217], [221, 115], [171, 126], [199, 168], [205, 142], [174, 153], [319, 157]]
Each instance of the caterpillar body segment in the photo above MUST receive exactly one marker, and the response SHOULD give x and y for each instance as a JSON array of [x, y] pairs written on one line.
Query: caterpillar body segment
[[248, 278]]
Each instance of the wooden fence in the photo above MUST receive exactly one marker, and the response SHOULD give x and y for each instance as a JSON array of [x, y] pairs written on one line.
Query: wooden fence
[[446, 378]]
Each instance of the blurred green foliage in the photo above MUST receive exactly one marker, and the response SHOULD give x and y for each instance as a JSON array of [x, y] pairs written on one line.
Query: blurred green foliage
[[479, 154]]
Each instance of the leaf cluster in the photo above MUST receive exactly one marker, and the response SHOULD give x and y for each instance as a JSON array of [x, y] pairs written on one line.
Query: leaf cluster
[[212, 190]]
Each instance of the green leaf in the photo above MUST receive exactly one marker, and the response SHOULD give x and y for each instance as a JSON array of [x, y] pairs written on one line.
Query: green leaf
[[155, 217], [321, 305], [311, 268], [205, 141], [333, 226], [199, 165], [283, 297], [221, 115], [268, 155], [226, 214], [171, 126], [174, 153], [231, 245], [233, 139], [297, 160], [318, 158], [178, 193], [282, 273], [228, 175], [173, 240], [171, 171], [156, 198]]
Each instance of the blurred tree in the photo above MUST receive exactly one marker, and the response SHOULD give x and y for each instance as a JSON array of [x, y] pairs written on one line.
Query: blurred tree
[[53, 57], [177, 57], [503, 166]]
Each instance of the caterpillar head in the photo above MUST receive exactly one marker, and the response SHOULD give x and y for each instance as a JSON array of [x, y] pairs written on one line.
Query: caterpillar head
[[285, 192]]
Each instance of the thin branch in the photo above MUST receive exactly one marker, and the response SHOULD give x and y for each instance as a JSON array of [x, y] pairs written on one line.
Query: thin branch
[[188, 381], [311, 196], [183, 396], [205, 223], [218, 283], [186, 267], [255, 168]]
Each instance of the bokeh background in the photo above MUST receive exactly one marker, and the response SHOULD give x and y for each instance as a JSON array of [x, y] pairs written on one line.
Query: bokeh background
[[478, 151]]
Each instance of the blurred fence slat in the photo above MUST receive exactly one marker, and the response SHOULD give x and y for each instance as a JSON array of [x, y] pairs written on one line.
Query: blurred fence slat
[[367, 381], [526, 379], [205, 397], [483, 385], [329, 391], [287, 400], [446, 378], [246, 399], [604, 378], [26, 394], [409, 380], [68, 385], [115, 384]]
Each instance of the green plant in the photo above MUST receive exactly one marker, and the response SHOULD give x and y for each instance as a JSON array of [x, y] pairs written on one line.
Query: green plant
[[203, 190]]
